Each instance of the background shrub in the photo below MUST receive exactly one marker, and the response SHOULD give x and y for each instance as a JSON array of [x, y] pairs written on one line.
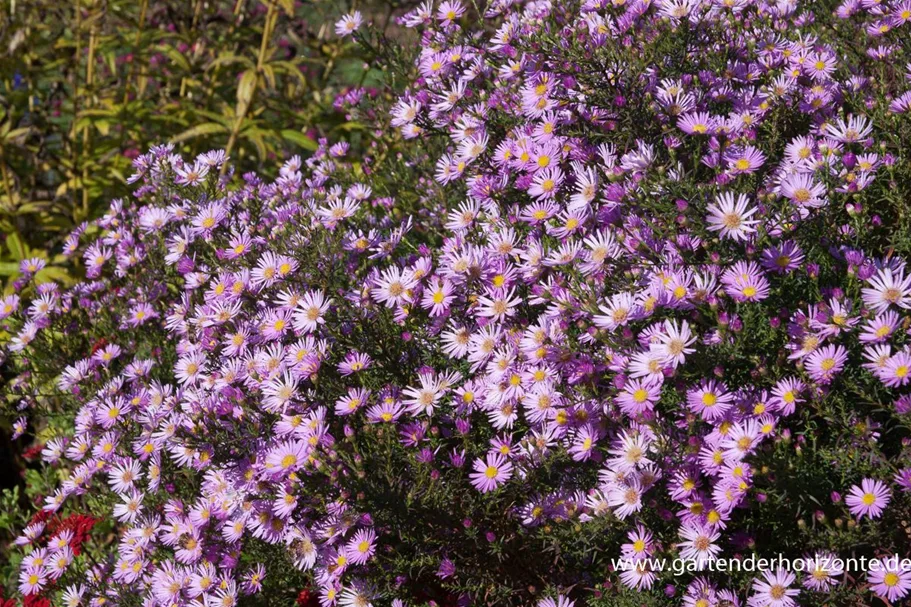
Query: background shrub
[[87, 86]]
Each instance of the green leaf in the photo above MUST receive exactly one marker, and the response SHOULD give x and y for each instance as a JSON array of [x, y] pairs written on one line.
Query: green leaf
[[52, 274], [230, 59], [299, 139], [207, 128], [19, 133], [16, 247], [175, 56], [245, 91]]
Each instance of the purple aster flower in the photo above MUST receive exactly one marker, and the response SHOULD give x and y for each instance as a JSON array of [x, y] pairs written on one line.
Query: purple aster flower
[[490, 473], [889, 578], [869, 499]]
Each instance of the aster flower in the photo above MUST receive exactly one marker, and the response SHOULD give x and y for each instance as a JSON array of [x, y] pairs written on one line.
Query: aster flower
[[896, 370], [869, 499], [744, 160], [354, 362], [490, 473], [699, 544], [287, 457], [803, 191], [393, 287], [425, 398], [638, 395], [696, 123], [889, 579], [903, 479], [711, 400], [558, 601], [880, 328], [360, 547], [826, 362], [625, 499], [32, 580], [783, 258], [745, 282], [349, 24], [823, 568], [775, 589], [498, 306], [849, 130], [310, 311], [888, 287], [438, 297], [731, 218]]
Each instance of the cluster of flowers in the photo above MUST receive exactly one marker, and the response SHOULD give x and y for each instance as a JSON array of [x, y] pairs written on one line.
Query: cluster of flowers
[[641, 274], [131, 426], [568, 216]]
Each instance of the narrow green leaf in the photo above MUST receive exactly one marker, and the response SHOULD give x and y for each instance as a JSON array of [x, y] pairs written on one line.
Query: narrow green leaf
[[299, 139], [207, 128]]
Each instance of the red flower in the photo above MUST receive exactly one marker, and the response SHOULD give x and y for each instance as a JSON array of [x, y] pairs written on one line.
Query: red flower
[[33, 452], [6, 602], [79, 524], [34, 600], [102, 342], [307, 599]]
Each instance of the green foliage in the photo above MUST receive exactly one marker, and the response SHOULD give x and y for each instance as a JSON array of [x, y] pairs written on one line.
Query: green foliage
[[86, 85]]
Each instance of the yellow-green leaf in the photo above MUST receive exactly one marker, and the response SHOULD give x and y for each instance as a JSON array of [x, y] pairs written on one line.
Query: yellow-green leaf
[[245, 91], [16, 247], [298, 138], [207, 128]]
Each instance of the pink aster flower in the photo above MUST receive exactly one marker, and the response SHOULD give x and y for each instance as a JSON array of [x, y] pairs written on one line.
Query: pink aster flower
[[897, 370], [438, 297], [625, 499], [853, 129], [638, 395], [354, 362], [349, 24], [731, 218], [361, 546], [711, 400], [744, 281], [498, 305], [889, 579], [698, 543], [880, 328], [32, 580], [558, 601], [803, 191], [287, 457], [774, 590], [825, 363], [393, 287], [310, 311], [490, 474], [546, 183], [887, 287], [697, 123], [869, 499], [782, 258], [141, 313], [387, 411], [744, 160], [822, 570]]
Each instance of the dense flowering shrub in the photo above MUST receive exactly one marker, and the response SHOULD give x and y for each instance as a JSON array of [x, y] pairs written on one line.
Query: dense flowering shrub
[[632, 282]]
